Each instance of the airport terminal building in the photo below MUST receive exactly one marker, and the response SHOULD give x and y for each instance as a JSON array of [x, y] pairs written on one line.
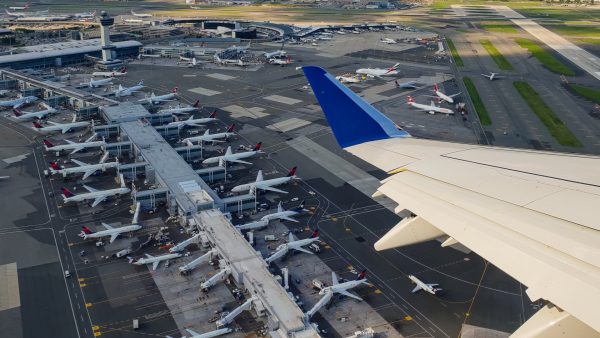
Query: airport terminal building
[[65, 54]]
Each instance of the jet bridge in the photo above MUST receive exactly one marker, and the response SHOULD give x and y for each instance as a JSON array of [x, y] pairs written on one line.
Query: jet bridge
[[231, 316]]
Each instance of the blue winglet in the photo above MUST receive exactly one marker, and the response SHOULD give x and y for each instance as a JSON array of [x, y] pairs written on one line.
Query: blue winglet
[[351, 118]]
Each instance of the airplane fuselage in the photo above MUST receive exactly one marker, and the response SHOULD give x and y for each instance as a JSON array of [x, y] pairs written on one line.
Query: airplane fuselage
[[225, 158], [63, 128], [444, 96], [279, 215], [207, 138], [431, 108], [16, 103], [376, 72], [192, 122], [73, 146], [266, 183], [105, 233], [151, 260], [94, 195], [35, 115], [342, 286], [178, 110], [85, 168]]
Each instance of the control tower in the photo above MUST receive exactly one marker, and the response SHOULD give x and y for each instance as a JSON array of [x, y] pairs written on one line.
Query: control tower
[[108, 50]]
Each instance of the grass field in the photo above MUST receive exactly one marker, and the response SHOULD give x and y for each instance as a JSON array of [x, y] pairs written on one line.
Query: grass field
[[585, 92], [500, 60], [545, 58], [589, 41], [457, 60], [480, 109], [499, 27], [582, 31], [555, 126], [559, 13]]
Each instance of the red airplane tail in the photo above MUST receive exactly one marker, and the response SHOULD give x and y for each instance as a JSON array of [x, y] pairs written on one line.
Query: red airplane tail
[[175, 90], [231, 128], [86, 230], [48, 143], [17, 112], [54, 165], [362, 275], [292, 172], [315, 234], [410, 99], [37, 125], [123, 70], [257, 146], [436, 88], [196, 104], [213, 115], [66, 192]]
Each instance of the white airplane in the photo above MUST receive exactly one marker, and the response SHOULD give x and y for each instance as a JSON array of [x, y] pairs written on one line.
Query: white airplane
[[379, 72], [388, 41], [285, 215], [180, 110], [342, 288], [208, 137], [408, 85], [347, 79], [180, 246], [431, 109], [115, 73], [507, 205], [442, 96], [191, 62], [140, 15], [292, 244], [15, 14], [153, 99], [24, 116], [97, 83], [62, 127], [85, 15], [492, 76], [253, 225], [235, 158], [19, 8], [192, 122], [281, 62], [18, 102], [211, 334], [127, 91], [85, 168], [74, 146], [262, 184], [94, 194], [86, 233], [431, 288], [277, 53], [154, 260]]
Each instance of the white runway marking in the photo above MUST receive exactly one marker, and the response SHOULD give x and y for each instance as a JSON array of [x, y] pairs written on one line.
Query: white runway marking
[[289, 124], [253, 113], [220, 76], [204, 91], [15, 159], [282, 99]]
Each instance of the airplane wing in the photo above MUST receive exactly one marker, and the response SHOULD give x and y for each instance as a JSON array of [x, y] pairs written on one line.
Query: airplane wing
[[88, 173], [238, 161], [192, 332], [273, 189], [455, 95], [417, 288], [287, 218], [90, 189], [70, 142], [65, 129], [303, 250], [108, 227], [76, 150], [155, 265], [114, 236], [79, 163], [149, 256], [349, 294], [98, 200], [54, 123], [507, 205]]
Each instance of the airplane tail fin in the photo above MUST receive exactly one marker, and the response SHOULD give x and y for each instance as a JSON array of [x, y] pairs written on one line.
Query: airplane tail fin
[[228, 151], [123, 70], [66, 192], [86, 230], [410, 99], [213, 114], [207, 132], [257, 146], [122, 181], [436, 88], [37, 125], [48, 144], [17, 112], [175, 90], [292, 172], [259, 176], [279, 207], [196, 104], [352, 120], [54, 166], [362, 275], [231, 128], [315, 234]]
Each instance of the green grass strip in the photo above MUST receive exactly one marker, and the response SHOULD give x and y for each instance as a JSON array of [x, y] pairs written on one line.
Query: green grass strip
[[555, 126], [499, 28], [585, 92], [500, 60], [545, 58], [480, 109], [457, 60]]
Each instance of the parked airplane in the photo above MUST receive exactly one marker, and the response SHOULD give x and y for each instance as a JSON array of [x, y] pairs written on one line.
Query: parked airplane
[[153, 99], [74, 146], [23, 116], [235, 158], [115, 73], [140, 15], [97, 83], [192, 122], [85, 168], [442, 96], [292, 244], [18, 102], [262, 184], [408, 85], [431, 288], [125, 91], [253, 225], [215, 333], [181, 246], [62, 127], [431, 109], [85, 15], [379, 72], [94, 194], [154, 260], [389, 41], [208, 137], [285, 215], [281, 62], [493, 76], [113, 232], [342, 288], [347, 79], [19, 8], [15, 14], [526, 239], [180, 110], [274, 54]]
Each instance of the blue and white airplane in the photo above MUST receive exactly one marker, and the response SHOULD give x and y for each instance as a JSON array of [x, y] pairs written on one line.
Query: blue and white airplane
[[533, 214]]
